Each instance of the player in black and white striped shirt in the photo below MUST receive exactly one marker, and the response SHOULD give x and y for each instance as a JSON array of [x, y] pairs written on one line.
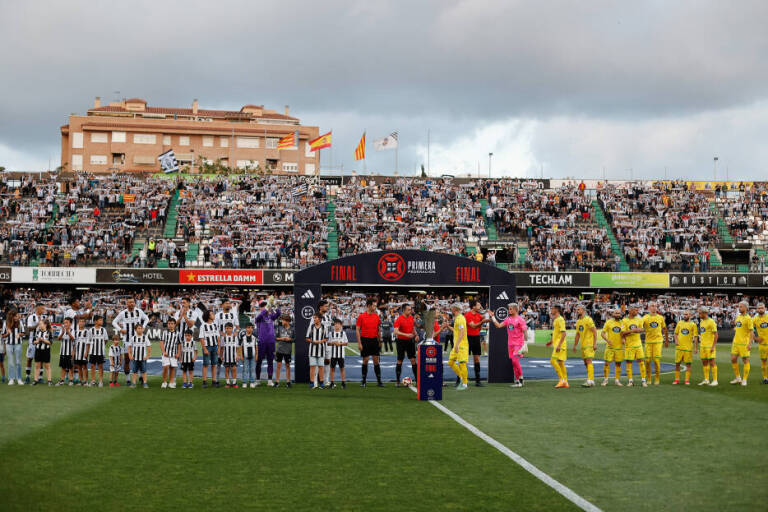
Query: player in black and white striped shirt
[[317, 336], [249, 351], [337, 345], [170, 347], [43, 342], [188, 350], [98, 339], [125, 323], [227, 315], [82, 347], [230, 354], [32, 322], [186, 318], [66, 349], [12, 335], [209, 341], [141, 349], [323, 307]]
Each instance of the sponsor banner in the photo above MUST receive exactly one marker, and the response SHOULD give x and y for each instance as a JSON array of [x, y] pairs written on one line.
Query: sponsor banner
[[628, 280], [54, 275], [408, 267], [430, 381], [5, 274], [137, 276], [718, 280], [552, 279], [279, 277], [220, 276]]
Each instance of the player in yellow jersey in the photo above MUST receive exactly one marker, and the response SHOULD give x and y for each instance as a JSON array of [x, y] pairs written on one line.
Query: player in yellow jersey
[[587, 335], [614, 346], [559, 347], [761, 326], [631, 327], [685, 334], [742, 343], [459, 355], [707, 346], [655, 334]]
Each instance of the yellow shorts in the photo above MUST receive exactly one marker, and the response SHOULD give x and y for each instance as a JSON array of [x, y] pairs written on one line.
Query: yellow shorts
[[763, 351], [560, 356], [633, 354], [653, 350], [587, 352], [739, 350], [615, 355], [707, 352], [460, 357], [682, 356]]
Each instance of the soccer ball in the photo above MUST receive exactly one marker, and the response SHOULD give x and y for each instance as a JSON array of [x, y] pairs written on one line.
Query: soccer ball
[[407, 381]]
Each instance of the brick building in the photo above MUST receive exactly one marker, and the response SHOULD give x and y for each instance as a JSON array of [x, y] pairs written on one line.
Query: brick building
[[129, 135]]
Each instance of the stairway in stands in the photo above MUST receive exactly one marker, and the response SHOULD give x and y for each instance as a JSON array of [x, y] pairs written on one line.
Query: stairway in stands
[[490, 225], [333, 231], [170, 230], [599, 216]]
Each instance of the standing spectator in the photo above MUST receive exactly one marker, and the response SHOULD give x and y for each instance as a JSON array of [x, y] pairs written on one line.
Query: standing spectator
[[13, 334]]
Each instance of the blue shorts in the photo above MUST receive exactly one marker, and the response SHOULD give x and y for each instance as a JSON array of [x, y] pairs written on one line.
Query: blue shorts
[[212, 359], [138, 366]]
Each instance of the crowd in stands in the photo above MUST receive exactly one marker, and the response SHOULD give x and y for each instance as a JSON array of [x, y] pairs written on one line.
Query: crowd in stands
[[661, 226], [746, 213]]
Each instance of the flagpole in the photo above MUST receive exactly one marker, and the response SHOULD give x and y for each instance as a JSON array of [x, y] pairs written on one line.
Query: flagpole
[[397, 145]]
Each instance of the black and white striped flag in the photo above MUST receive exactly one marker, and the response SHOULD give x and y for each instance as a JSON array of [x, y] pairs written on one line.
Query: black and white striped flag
[[300, 190], [168, 162]]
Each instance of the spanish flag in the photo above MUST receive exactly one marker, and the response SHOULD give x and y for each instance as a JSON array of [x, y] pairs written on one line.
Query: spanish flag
[[360, 150], [289, 141], [323, 141]]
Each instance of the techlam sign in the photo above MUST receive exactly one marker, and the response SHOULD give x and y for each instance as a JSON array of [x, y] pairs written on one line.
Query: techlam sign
[[221, 276], [558, 279]]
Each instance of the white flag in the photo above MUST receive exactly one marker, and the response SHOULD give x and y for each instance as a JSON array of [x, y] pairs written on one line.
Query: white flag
[[388, 142], [168, 162]]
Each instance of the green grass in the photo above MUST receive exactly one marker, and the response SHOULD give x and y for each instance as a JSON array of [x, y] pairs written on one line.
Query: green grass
[[661, 448]]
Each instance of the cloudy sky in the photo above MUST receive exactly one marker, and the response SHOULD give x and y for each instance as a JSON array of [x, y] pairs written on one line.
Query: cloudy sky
[[586, 89]]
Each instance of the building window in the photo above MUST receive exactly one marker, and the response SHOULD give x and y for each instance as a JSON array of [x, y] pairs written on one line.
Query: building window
[[77, 161], [98, 159], [224, 142], [166, 140], [118, 136], [208, 141], [247, 164], [183, 140], [144, 138], [248, 142], [100, 137], [290, 167], [309, 168], [77, 140], [272, 142], [118, 158], [144, 160]]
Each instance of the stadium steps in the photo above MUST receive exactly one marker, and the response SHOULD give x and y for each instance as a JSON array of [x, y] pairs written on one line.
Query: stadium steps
[[722, 227], [615, 245], [137, 247], [172, 217], [193, 249], [333, 232], [522, 250], [742, 268], [163, 263], [490, 226]]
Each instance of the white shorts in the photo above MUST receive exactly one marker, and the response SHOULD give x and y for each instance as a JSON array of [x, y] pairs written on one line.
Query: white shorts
[[316, 361], [171, 361], [30, 351]]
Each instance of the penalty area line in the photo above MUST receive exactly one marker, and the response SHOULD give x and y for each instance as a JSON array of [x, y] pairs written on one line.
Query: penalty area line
[[561, 489]]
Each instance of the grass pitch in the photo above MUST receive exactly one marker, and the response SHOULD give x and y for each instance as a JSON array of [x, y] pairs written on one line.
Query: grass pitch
[[660, 448]]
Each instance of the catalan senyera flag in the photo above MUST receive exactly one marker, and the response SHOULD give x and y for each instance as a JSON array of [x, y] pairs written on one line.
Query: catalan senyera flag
[[360, 149], [323, 141], [289, 141]]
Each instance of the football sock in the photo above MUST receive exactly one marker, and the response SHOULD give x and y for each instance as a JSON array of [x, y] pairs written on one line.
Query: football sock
[[643, 369], [657, 365], [747, 367], [377, 371], [398, 371], [714, 372], [764, 367], [463, 369], [28, 370], [556, 366], [629, 370], [706, 372], [688, 372], [677, 374], [365, 371], [590, 372], [736, 369], [477, 372], [563, 370], [607, 369]]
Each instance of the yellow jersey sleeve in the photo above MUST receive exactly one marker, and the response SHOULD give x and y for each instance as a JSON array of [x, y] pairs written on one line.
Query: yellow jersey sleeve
[[761, 326]]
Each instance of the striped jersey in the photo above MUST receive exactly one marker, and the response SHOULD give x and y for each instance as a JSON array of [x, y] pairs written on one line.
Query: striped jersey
[[32, 321], [140, 346], [82, 340], [170, 340], [67, 343], [41, 337], [327, 320], [115, 351], [337, 351], [222, 319], [128, 320], [187, 351], [315, 333], [15, 335], [98, 337], [249, 344], [209, 334], [181, 324], [229, 346]]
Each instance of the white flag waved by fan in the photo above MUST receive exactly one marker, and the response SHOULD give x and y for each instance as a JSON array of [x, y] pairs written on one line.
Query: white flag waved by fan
[[168, 162], [388, 142]]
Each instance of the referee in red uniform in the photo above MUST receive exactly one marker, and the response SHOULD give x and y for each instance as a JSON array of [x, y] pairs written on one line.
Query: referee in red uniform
[[406, 341], [368, 333], [475, 320]]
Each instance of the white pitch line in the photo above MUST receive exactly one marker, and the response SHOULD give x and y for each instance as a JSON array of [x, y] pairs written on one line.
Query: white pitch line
[[548, 480], [353, 350]]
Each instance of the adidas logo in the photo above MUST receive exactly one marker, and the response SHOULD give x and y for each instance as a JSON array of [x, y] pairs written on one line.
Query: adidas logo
[[503, 296], [308, 295]]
